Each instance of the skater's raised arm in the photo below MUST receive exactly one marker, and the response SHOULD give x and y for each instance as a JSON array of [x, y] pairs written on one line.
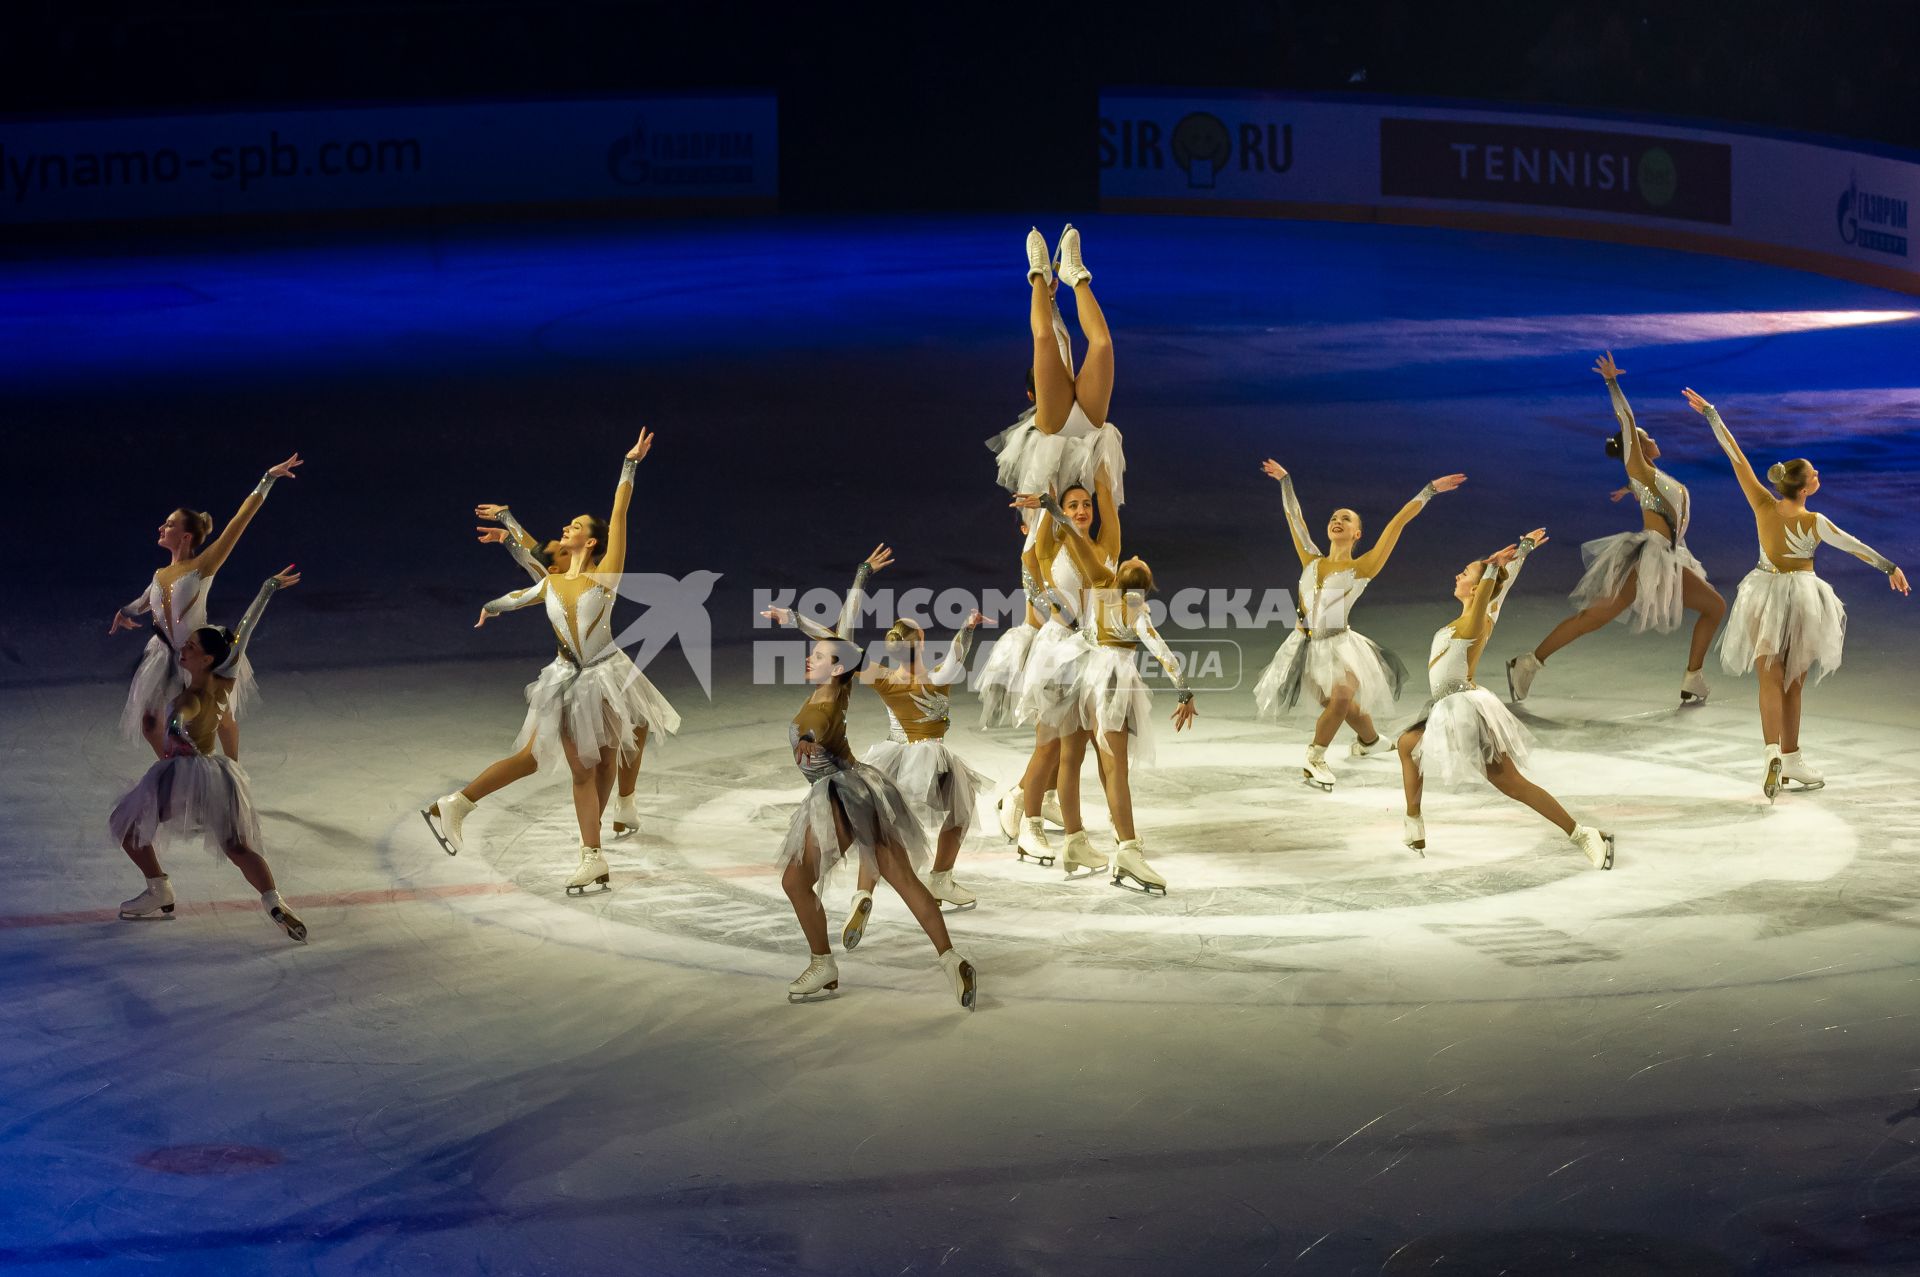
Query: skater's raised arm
[[1632, 455], [1759, 496], [614, 561], [520, 545], [243, 633], [1303, 543], [208, 561], [1185, 712], [1370, 563], [1860, 550], [953, 668], [1527, 545], [1087, 557], [512, 601]]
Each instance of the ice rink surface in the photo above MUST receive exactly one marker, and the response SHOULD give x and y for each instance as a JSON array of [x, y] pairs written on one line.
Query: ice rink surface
[[1317, 1053]]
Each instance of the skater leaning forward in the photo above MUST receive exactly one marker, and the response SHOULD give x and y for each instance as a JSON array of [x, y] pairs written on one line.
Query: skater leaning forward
[[851, 808], [192, 790]]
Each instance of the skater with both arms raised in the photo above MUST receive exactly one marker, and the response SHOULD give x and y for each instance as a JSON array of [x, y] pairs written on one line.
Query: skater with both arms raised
[[192, 790], [1786, 623], [1465, 733], [851, 807], [941, 790], [1353, 678], [1110, 705], [1648, 580], [585, 708]]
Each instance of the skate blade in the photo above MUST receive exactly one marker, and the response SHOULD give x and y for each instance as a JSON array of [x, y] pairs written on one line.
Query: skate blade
[[1606, 860], [1127, 882], [1077, 872], [947, 906], [969, 985], [594, 888], [1688, 700], [296, 930], [438, 837], [818, 995], [1771, 785], [165, 914], [1802, 786], [856, 928], [625, 831], [1513, 693], [1045, 862], [1324, 786], [1418, 848]]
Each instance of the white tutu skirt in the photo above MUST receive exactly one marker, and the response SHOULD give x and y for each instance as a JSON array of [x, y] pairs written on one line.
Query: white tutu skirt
[[596, 707], [1648, 558], [1002, 674], [1315, 667], [1794, 616], [198, 795], [1049, 693], [875, 814], [940, 789], [1032, 462], [1114, 698], [159, 680], [1465, 732]]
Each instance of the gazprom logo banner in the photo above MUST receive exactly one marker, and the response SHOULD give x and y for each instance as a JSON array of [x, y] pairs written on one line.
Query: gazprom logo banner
[[674, 149]]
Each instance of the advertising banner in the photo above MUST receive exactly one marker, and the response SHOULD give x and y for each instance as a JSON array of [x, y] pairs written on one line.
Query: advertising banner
[[653, 149], [1805, 203]]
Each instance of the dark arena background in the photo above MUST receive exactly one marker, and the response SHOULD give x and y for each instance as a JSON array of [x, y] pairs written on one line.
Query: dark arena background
[[463, 252]]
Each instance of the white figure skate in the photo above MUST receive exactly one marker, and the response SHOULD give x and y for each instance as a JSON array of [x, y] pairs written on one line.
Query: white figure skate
[[1595, 843], [1033, 842], [282, 917], [821, 976], [961, 976], [1315, 770], [1770, 781], [1521, 671], [942, 887], [445, 818], [1413, 830], [856, 920], [1082, 860], [1073, 271], [592, 873], [625, 817], [1038, 263], [1693, 688], [155, 903], [1804, 775], [1130, 862]]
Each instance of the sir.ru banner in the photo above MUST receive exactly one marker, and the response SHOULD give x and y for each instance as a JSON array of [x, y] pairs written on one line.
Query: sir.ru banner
[[677, 149]]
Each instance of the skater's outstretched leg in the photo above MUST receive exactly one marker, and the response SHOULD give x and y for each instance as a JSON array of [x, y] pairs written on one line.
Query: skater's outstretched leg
[[498, 775], [1507, 779], [1093, 388], [1587, 620], [799, 882], [1697, 596], [1118, 785], [252, 865], [898, 872], [1052, 380], [1362, 724]]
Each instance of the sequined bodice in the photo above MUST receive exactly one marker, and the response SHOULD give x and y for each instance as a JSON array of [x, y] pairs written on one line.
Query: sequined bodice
[[1449, 660], [179, 606], [1327, 604], [1667, 497], [580, 610]]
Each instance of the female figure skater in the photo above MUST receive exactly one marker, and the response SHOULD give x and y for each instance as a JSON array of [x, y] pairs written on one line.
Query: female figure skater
[[1006, 663], [1645, 579], [1465, 731], [941, 790], [1786, 622], [585, 707], [1065, 437], [1351, 676], [1111, 705], [851, 805], [176, 598], [447, 816], [193, 790]]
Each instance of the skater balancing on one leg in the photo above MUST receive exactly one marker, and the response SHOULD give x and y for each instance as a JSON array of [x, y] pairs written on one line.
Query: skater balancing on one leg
[[941, 790], [176, 599], [1465, 732], [1113, 709], [1786, 623], [447, 816], [1350, 675], [584, 708], [851, 808], [1068, 569], [1065, 437], [192, 790], [1647, 579]]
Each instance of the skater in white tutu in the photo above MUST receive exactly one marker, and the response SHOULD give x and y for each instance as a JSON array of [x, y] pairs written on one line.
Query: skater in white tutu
[[193, 792], [1006, 663], [584, 709], [1065, 438], [176, 599], [852, 807], [1067, 569], [1786, 624], [1465, 732], [1647, 580], [447, 816], [1351, 677], [1110, 705], [940, 789]]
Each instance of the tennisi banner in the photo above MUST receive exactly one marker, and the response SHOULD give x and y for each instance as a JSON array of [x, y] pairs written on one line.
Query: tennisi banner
[[1819, 205], [676, 150]]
